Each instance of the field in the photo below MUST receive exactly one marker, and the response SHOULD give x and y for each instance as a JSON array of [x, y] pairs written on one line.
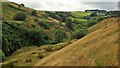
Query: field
[[80, 14]]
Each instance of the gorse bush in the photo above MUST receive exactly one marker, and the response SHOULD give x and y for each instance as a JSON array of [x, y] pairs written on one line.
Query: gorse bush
[[21, 16], [59, 35], [79, 33]]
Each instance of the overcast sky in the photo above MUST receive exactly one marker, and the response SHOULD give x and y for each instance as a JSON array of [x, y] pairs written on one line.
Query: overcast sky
[[69, 5]]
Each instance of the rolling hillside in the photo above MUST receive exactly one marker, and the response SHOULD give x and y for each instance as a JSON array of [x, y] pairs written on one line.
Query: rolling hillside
[[45, 39], [99, 48]]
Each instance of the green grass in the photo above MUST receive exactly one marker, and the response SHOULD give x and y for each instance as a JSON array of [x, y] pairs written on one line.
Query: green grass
[[80, 14], [80, 20]]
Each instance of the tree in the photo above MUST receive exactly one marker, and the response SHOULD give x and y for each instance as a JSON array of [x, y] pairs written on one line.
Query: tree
[[59, 35], [22, 5], [35, 36], [20, 16], [93, 14], [68, 24]]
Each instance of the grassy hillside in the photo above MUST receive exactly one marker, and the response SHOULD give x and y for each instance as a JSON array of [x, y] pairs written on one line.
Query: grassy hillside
[[46, 38], [104, 23], [99, 48], [16, 32]]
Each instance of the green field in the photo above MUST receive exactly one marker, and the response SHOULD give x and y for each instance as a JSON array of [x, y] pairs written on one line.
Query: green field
[[80, 14]]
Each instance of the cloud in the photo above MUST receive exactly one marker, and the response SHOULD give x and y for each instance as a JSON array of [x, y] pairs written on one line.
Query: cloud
[[64, 5], [102, 5]]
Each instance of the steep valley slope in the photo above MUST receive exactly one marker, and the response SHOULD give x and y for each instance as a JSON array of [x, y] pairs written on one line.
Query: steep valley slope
[[99, 48]]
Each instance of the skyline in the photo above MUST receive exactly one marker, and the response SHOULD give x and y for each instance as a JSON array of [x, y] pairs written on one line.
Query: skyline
[[69, 5]]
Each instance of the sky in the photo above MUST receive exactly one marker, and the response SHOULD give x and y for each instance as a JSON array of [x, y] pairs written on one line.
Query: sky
[[69, 5]]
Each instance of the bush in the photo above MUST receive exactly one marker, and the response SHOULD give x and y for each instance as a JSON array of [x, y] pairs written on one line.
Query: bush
[[79, 33], [92, 22], [68, 24], [2, 55], [34, 13], [59, 35], [40, 56], [44, 24], [49, 49], [22, 5], [28, 60], [36, 20], [79, 26], [35, 36], [20, 16]]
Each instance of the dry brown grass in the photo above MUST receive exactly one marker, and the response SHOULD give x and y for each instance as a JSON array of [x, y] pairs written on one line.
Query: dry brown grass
[[99, 48]]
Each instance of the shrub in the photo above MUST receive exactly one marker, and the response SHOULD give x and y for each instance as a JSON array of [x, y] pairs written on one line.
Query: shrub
[[22, 4], [2, 55], [40, 56], [20, 16], [92, 22], [68, 24], [93, 14], [34, 13], [79, 33], [34, 53], [59, 35], [35, 36], [44, 24], [28, 60], [49, 49], [79, 26], [36, 20]]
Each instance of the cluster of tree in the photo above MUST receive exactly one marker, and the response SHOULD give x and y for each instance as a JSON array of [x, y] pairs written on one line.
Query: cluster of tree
[[78, 30], [69, 24], [59, 35], [16, 35], [61, 16], [114, 13]]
